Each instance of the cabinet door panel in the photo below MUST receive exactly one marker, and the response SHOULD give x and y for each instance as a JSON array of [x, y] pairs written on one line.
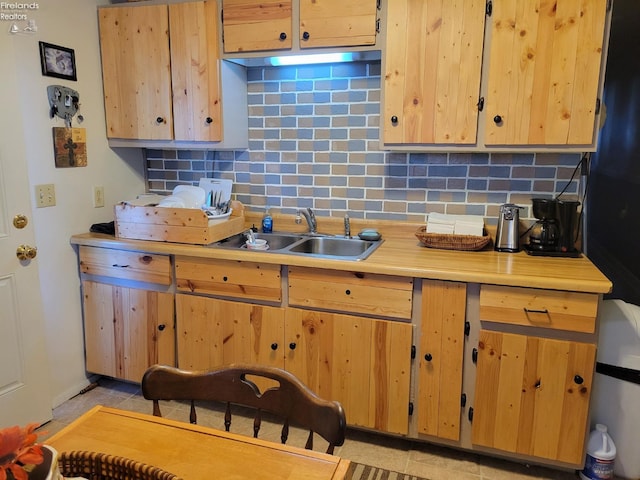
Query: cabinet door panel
[[532, 395], [135, 40], [432, 71], [335, 23], [194, 71], [543, 71], [360, 362], [440, 358], [255, 25], [214, 332]]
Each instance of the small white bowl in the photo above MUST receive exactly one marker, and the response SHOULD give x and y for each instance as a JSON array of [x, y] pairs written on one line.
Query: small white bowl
[[258, 244]]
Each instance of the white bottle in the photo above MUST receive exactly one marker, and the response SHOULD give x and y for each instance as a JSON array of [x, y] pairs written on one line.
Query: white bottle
[[601, 454]]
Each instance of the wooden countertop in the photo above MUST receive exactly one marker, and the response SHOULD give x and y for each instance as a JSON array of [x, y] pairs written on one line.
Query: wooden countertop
[[402, 254]]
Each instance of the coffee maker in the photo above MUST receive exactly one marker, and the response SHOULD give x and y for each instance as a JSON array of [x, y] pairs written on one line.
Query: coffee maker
[[555, 231]]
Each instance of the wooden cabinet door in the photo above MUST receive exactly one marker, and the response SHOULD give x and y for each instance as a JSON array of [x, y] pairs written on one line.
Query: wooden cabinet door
[[134, 42], [213, 332], [440, 358], [127, 330], [336, 23], [255, 25], [361, 362], [532, 395], [544, 72], [432, 71], [195, 73]]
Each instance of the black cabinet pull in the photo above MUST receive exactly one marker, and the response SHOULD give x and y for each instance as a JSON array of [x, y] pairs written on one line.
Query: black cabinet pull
[[394, 119], [578, 379], [209, 120], [474, 355], [428, 357], [283, 36], [348, 292], [292, 345], [463, 400], [497, 119], [305, 36], [467, 328], [161, 327], [224, 279], [159, 120], [470, 415], [115, 265], [274, 346]]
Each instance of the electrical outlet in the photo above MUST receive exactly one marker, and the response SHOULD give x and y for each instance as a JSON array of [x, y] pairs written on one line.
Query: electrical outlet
[[98, 197], [45, 195]]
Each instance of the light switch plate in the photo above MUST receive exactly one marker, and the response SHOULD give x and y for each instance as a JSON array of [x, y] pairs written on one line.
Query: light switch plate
[[45, 195], [98, 196]]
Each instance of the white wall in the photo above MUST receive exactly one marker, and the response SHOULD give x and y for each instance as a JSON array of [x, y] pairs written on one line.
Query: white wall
[[72, 24]]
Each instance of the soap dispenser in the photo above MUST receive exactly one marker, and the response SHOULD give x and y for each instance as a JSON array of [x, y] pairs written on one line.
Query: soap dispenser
[[267, 221]]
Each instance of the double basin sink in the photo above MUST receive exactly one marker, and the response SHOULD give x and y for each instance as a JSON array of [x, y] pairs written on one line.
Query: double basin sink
[[322, 246]]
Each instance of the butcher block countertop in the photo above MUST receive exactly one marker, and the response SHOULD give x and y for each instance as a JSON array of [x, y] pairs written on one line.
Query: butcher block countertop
[[400, 254]]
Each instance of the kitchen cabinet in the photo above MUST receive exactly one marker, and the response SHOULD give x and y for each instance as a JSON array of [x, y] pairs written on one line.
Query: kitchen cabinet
[[440, 358], [162, 74], [126, 329], [532, 383], [263, 25], [535, 84]]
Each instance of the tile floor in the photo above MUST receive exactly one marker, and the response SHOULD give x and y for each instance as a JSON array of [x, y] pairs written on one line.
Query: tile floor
[[415, 458]]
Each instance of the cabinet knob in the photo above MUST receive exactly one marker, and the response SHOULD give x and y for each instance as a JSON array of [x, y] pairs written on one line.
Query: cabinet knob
[[428, 357], [161, 327], [305, 36], [578, 379], [274, 346], [159, 120], [208, 120], [474, 355], [283, 36], [292, 345], [497, 119], [348, 292], [394, 120]]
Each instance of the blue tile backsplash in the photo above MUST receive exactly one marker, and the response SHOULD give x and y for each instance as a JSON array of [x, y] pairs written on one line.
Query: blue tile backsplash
[[314, 142]]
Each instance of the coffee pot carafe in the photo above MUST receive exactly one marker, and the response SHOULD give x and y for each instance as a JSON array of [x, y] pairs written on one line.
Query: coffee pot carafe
[[508, 233], [555, 231]]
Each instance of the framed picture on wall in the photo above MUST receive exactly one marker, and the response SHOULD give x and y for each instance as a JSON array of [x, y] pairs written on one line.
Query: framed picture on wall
[[57, 61]]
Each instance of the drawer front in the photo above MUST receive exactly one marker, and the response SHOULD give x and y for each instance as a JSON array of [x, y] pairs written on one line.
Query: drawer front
[[559, 310], [353, 292], [230, 278], [143, 267]]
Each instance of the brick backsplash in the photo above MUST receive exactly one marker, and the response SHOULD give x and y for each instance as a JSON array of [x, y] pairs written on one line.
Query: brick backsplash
[[314, 142]]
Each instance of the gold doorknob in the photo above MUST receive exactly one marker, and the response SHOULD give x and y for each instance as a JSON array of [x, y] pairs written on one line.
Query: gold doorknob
[[20, 221], [26, 252]]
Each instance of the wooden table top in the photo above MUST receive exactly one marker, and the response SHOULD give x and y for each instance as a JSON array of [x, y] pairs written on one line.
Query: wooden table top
[[191, 451]]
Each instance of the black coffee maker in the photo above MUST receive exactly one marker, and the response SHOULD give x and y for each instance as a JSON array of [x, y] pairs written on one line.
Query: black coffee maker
[[555, 231]]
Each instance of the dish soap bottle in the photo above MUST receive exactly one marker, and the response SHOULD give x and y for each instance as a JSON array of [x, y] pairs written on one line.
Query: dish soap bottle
[[267, 222]]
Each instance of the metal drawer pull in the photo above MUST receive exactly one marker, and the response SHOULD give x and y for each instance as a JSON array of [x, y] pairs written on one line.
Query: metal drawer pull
[[527, 311], [120, 266]]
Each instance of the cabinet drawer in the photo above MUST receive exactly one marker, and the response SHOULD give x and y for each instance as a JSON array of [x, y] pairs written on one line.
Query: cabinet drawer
[[353, 292], [143, 267], [230, 278], [559, 310]]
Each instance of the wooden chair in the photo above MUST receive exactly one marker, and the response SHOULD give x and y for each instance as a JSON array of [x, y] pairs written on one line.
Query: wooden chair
[[289, 400]]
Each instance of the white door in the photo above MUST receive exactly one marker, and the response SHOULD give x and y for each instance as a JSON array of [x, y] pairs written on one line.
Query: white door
[[24, 372]]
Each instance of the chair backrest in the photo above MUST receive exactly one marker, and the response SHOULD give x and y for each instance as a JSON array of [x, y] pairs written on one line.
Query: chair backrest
[[289, 400], [100, 466]]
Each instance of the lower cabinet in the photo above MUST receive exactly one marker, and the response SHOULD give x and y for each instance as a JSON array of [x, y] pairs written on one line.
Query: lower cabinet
[[126, 329], [532, 395]]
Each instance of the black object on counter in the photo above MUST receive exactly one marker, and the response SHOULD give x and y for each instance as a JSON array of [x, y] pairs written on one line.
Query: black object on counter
[[109, 228]]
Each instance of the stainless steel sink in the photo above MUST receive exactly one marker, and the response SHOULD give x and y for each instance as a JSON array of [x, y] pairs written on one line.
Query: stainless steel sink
[[323, 246]]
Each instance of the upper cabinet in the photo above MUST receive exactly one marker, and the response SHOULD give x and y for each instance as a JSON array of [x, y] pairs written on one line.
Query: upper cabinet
[[497, 75], [162, 74], [259, 26]]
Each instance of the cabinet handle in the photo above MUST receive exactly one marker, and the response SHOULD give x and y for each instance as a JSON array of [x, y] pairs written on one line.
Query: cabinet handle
[[348, 292], [470, 414], [305, 36], [578, 379], [283, 36], [463, 400], [274, 346], [474, 355], [428, 357], [394, 120], [161, 327], [159, 120], [292, 346], [209, 120], [115, 265], [497, 120], [467, 328]]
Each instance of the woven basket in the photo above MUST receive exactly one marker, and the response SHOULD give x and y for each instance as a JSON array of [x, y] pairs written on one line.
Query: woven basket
[[450, 241], [100, 466]]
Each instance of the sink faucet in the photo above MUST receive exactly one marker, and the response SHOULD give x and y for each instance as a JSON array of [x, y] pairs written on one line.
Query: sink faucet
[[347, 226], [310, 217]]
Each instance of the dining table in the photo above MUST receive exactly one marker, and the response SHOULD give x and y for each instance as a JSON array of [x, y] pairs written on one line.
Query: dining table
[[190, 451]]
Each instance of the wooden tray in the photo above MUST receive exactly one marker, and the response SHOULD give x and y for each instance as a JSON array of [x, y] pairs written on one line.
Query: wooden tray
[[450, 241], [180, 225]]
